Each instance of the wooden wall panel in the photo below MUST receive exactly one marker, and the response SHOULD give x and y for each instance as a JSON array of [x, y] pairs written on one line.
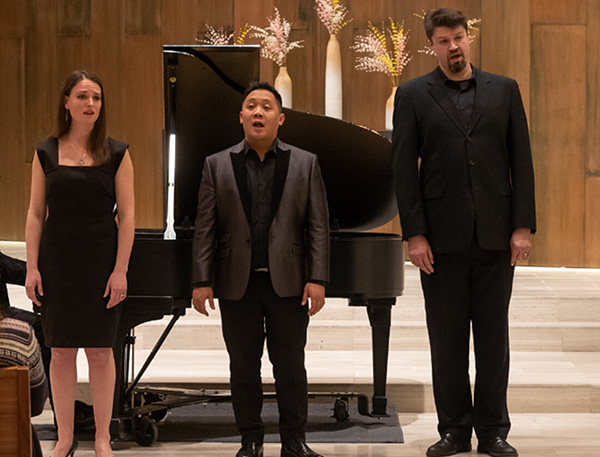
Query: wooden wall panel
[[558, 128], [216, 13], [592, 222], [142, 17], [142, 82], [558, 11], [13, 18], [74, 17], [592, 196], [121, 40], [593, 87], [255, 13], [42, 74], [180, 21], [506, 22], [13, 168]]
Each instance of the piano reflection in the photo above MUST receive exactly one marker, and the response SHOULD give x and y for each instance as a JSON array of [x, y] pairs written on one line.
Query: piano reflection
[[203, 93]]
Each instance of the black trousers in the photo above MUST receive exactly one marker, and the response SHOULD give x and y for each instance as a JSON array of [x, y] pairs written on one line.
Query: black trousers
[[261, 314], [467, 289]]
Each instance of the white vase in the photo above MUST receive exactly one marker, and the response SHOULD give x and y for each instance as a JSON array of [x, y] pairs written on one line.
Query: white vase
[[333, 79], [283, 84], [389, 110]]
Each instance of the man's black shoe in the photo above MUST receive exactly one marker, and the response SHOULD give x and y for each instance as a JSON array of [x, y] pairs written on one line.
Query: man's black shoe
[[497, 447], [250, 450], [298, 449], [449, 445]]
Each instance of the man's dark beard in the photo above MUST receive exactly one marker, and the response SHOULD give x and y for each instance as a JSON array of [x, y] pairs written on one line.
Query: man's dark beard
[[459, 66]]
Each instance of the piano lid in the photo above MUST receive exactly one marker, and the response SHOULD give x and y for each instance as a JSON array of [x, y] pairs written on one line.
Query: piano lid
[[203, 95]]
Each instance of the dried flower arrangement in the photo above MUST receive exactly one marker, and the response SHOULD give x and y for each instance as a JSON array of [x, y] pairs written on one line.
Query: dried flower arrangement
[[379, 56], [220, 37], [275, 44], [332, 14]]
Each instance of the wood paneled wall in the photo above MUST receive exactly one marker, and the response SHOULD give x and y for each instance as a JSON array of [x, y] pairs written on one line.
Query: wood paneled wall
[[551, 47]]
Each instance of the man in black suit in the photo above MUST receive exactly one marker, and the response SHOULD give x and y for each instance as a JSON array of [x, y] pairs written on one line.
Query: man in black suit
[[467, 212], [262, 242]]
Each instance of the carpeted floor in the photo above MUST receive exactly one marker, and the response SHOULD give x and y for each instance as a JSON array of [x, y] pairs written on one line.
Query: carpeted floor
[[213, 422]]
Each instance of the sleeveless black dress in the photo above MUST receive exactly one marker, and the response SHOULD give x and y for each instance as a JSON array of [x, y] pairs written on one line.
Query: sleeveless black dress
[[78, 249]]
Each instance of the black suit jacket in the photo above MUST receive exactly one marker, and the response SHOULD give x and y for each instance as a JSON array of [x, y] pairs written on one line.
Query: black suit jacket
[[474, 178], [298, 235]]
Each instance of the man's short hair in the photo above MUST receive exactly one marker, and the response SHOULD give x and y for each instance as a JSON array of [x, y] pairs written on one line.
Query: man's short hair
[[263, 85], [444, 17]]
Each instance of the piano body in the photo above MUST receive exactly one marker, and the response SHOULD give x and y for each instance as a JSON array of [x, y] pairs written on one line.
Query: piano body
[[203, 94]]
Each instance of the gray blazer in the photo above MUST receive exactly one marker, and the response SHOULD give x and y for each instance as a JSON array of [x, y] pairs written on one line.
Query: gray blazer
[[298, 235]]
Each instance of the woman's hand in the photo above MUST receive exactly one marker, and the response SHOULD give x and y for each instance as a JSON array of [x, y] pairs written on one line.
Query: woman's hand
[[33, 286], [116, 288]]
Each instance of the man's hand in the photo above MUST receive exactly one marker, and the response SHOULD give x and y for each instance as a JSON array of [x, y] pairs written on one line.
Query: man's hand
[[520, 245], [199, 297], [420, 253], [316, 293]]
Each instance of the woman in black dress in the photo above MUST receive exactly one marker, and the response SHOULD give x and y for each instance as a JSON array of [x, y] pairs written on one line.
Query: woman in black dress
[[79, 234]]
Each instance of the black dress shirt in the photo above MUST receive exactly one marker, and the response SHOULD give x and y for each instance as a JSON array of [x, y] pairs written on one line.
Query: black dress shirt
[[462, 94], [260, 176]]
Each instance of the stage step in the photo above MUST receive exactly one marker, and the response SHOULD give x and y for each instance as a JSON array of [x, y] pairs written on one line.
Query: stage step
[[555, 341], [553, 309], [540, 382], [191, 333]]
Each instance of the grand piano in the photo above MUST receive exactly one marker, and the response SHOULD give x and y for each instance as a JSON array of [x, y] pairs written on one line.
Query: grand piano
[[203, 93]]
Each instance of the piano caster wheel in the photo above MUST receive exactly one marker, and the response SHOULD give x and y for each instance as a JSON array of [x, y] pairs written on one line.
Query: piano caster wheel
[[145, 431], [340, 410]]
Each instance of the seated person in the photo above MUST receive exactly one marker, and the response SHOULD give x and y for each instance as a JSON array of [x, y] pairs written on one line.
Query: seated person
[[18, 347]]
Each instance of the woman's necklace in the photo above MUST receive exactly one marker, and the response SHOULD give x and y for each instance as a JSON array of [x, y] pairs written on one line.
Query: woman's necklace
[[81, 160]]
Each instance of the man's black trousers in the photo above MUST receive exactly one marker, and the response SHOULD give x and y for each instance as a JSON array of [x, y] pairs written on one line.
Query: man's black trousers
[[467, 289], [261, 314]]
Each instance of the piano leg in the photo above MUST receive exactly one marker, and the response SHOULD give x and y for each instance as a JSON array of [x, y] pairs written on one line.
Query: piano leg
[[121, 353], [380, 312]]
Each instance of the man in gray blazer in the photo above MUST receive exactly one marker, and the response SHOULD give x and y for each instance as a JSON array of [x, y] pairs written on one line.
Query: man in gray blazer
[[464, 185], [261, 245]]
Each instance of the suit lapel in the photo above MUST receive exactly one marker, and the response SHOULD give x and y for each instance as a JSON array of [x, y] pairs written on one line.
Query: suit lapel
[[483, 91], [440, 93], [239, 171], [282, 162]]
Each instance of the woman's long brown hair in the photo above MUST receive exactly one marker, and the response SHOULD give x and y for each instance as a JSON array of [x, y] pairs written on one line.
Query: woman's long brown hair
[[97, 143]]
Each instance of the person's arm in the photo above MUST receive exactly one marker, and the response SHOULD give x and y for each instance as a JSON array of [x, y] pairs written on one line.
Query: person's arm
[[522, 179], [521, 165], [405, 166], [405, 154], [36, 215], [204, 242], [116, 286], [317, 239]]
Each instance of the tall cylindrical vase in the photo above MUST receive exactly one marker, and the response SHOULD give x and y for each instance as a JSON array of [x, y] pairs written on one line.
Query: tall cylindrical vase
[[333, 79], [283, 84], [389, 110]]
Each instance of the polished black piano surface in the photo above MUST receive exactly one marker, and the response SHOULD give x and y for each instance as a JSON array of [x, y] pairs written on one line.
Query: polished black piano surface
[[203, 94]]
